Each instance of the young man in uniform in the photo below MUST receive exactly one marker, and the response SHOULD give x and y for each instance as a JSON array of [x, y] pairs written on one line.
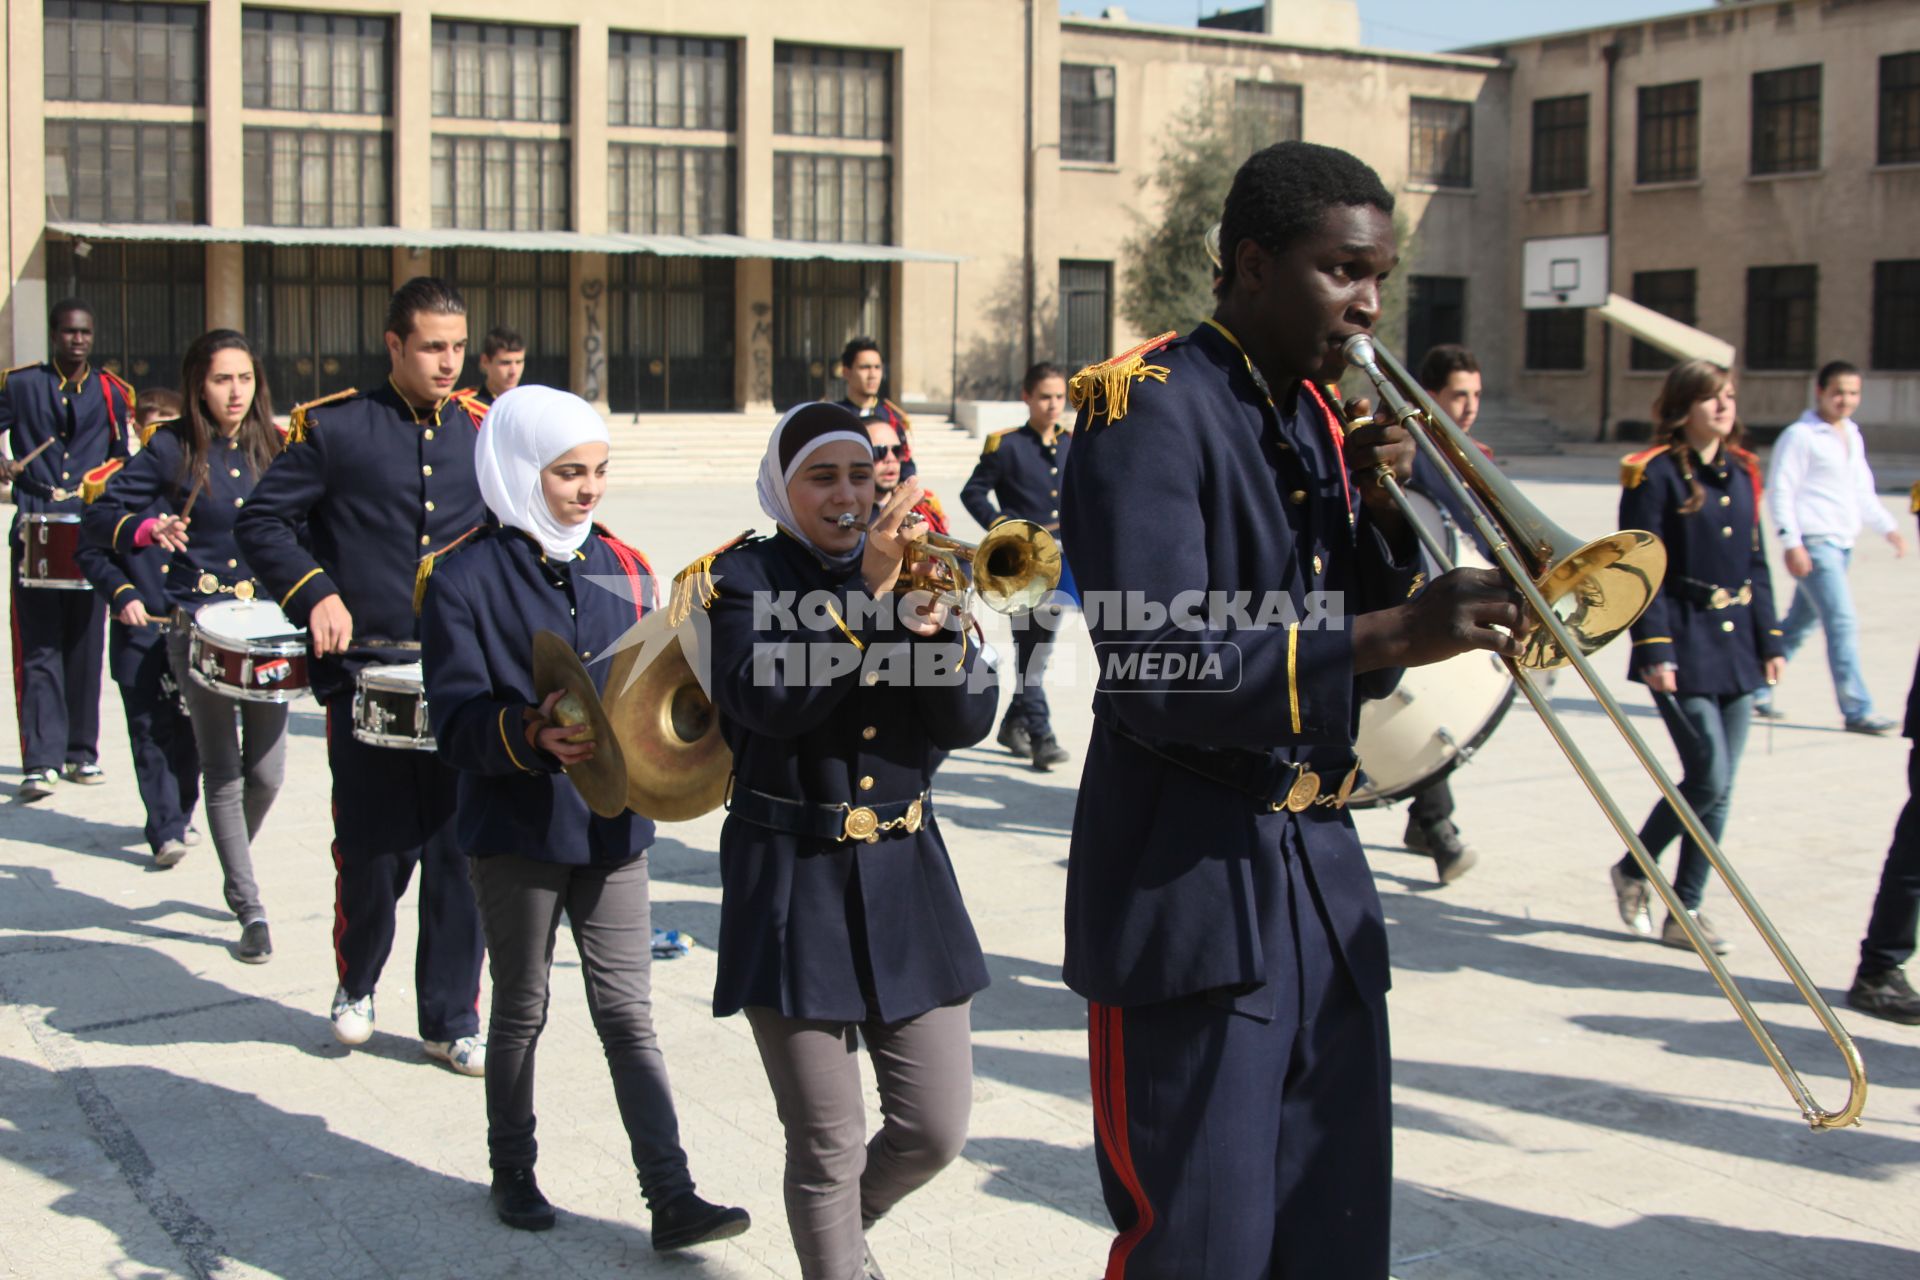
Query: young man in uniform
[[863, 371], [379, 480], [82, 415], [503, 361], [1018, 477], [1221, 919], [891, 459]]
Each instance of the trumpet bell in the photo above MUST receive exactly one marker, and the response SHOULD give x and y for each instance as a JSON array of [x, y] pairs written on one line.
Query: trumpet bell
[[669, 733], [1597, 592], [1016, 566]]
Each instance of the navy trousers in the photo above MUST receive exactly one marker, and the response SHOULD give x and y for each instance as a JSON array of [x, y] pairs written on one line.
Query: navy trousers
[[1033, 638], [1235, 1147], [1896, 907], [393, 811], [166, 767], [59, 639]]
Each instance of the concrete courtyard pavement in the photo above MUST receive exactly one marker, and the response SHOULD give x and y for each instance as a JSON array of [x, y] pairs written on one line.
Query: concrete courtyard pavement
[[1570, 1103]]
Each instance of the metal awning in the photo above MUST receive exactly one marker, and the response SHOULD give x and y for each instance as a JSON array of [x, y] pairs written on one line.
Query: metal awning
[[1681, 341], [709, 246]]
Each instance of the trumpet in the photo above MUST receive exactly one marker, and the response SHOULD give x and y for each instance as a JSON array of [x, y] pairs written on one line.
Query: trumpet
[[1583, 594], [1012, 569]]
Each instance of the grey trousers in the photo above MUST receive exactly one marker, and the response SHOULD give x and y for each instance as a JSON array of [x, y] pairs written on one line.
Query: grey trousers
[[608, 907], [243, 760], [837, 1182]]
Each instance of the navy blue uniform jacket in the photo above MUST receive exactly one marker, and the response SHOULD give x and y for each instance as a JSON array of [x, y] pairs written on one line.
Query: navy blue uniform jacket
[[378, 486], [135, 655], [484, 602], [156, 481], [1717, 651], [1175, 881], [87, 418], [1022, 473], [819, 928]]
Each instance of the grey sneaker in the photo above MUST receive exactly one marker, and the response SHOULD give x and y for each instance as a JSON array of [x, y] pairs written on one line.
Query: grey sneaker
[[256, 944], [37, 784], [1876, 726], [466, 1056], [169, 853], [1672, 935], [1635, 899]]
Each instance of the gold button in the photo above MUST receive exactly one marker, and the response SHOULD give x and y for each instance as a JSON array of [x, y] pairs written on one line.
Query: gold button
[[164, 568], [429, 433], [1053, 471], [425, 541], [586, 653], [866, 783], [239, 502], [429, 504], [1053, 493], [1725, 501], [1053, 514], [1726, 531], [1318, 566], [873, 677], [1726, 626], [233, 564], [235, 473], [66, 475], [869, 733], [426, 470], [1297, 497]]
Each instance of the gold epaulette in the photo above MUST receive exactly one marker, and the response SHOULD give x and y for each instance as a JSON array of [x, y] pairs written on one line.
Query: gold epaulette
[[297, 423], [154, 426], [1914, 499], [8, 373], [1633, 467], [932, 503], [993, 441], [1104, 389], [693, 586], [906, 423], [94, 482], [469, 400], [427, 562]]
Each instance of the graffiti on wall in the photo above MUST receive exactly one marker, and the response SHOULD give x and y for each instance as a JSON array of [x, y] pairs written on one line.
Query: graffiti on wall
[[761, 344], [592, 342]]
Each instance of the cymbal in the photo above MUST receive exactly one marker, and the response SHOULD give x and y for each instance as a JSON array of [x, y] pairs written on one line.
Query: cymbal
[[601, 780], [669, 731]]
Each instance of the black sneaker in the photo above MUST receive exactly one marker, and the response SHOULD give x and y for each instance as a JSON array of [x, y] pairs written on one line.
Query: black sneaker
[[1885, 995], [1047, 752], [256, 944], [87, 775], [1877, 726], [517, 1200], [1452, 856], [1767, 711], [690, 1220], [37, 784], [1014, 737]]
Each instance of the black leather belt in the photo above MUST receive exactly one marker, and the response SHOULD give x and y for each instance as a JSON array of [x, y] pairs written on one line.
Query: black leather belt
[[44, 492], [839, 822], [1709, 595], [1274, 782]]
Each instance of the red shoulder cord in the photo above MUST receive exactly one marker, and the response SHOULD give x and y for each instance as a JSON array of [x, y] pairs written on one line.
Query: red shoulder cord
[[1333, 430], [638, 571]]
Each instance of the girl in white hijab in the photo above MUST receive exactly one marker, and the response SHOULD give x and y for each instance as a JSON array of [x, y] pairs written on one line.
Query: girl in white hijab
[[538, 852]]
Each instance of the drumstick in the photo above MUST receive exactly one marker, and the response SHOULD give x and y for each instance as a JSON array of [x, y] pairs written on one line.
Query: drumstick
[[38, 449], [193, 496]]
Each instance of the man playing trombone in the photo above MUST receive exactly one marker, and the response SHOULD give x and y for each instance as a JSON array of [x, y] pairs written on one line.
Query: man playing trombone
[[1221, 920]]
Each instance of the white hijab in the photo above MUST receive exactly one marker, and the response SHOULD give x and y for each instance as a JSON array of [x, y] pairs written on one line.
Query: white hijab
[[822, 424], [526, 430]]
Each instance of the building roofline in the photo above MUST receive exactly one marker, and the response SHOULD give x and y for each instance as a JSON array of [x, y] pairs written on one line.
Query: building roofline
[[1697, 11], [1207, 35]]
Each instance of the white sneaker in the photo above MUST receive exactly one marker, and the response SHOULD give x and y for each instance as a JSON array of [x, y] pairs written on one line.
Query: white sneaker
[[467, 1055], [1635, 899], [352, 1019]]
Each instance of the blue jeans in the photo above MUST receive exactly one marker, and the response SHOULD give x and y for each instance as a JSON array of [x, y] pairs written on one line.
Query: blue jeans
[[1822, 597], [1710, 732]]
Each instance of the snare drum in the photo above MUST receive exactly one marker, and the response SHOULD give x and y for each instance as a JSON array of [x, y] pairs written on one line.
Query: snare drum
[[1438, 715], [247, 649], [52, 541], [390, 707]]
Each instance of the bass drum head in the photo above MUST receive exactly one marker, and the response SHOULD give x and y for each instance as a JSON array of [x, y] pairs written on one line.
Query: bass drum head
[[1438, 715]]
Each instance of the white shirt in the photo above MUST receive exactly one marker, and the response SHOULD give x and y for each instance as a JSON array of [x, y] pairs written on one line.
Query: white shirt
[[1820, 486]]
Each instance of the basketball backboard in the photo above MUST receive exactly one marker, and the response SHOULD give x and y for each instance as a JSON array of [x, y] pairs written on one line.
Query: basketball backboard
[[1564, 272]]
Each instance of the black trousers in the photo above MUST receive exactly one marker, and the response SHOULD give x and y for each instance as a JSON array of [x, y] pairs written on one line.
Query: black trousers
[[393, 811], [59, 638], [1032, 644], [1236, 1148], [1889, 943], [166, 767], [1431, 803]]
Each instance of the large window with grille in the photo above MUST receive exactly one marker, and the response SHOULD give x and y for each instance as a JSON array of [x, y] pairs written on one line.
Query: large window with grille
[[1669, 136], [1441, 143], [1263, 114], [832, 93], [492, 71], [1436, 313], [847, 199], [1560, 144], [1086, 313], [1900, 108], [97, 52], [317, 315], [1896, 314], [500, 184], [316, 178], [1672, 294], [670, 82], [1786, 120], [149, 303], [330, 62], [817, 306], [526, 292], [1556, 340], [670, 333], [1086, 113], [100, 171], [1781, 304], [655, 190]]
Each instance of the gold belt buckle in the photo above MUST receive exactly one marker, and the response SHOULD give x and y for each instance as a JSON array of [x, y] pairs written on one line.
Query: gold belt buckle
[[1305, 792], [1719, 599], [243, 589], [911, 820], [207, 584], [861, 824], [61, 494]]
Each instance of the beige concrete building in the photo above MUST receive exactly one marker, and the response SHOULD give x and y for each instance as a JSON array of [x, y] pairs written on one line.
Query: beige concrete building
[[693, 207]]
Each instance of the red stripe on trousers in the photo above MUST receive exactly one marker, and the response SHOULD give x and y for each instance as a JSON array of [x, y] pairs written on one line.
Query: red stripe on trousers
[[339, 897], [1109, 1063]]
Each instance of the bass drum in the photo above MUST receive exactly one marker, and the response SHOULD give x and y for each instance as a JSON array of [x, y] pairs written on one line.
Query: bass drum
[[1438, 716]]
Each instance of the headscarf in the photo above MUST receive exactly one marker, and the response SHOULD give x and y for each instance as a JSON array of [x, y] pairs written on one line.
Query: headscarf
[[526, 430], [801, 432]]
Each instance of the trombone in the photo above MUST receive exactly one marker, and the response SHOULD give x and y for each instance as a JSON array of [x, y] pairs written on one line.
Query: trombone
[[1582, 596], [1012, 569]]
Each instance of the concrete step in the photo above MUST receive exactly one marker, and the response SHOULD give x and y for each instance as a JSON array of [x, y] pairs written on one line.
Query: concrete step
[[721, 448], [1517, 434]]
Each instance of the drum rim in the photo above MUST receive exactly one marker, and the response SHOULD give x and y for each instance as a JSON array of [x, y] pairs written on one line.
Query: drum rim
[[381, 676], [1376, 799], [49, 517], [202, 638], [279, 693]]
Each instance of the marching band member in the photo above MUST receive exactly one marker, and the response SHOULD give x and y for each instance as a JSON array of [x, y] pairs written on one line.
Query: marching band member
[[166, 767], [1221, 919], [863, 372], [841, 921], [1710, 638], [81, 414], [892, 459], [379, 479], [503, 361], [537, 851], [212, 456], [1022, 469]]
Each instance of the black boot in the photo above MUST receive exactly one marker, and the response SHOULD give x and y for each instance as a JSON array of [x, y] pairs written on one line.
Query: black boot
[[1452, 856], [1885, 995], [517, 1200], [1013, 736], [690, 1220], [1047, 752]]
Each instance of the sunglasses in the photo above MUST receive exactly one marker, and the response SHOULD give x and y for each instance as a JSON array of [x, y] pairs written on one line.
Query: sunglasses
[[881, 452]]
